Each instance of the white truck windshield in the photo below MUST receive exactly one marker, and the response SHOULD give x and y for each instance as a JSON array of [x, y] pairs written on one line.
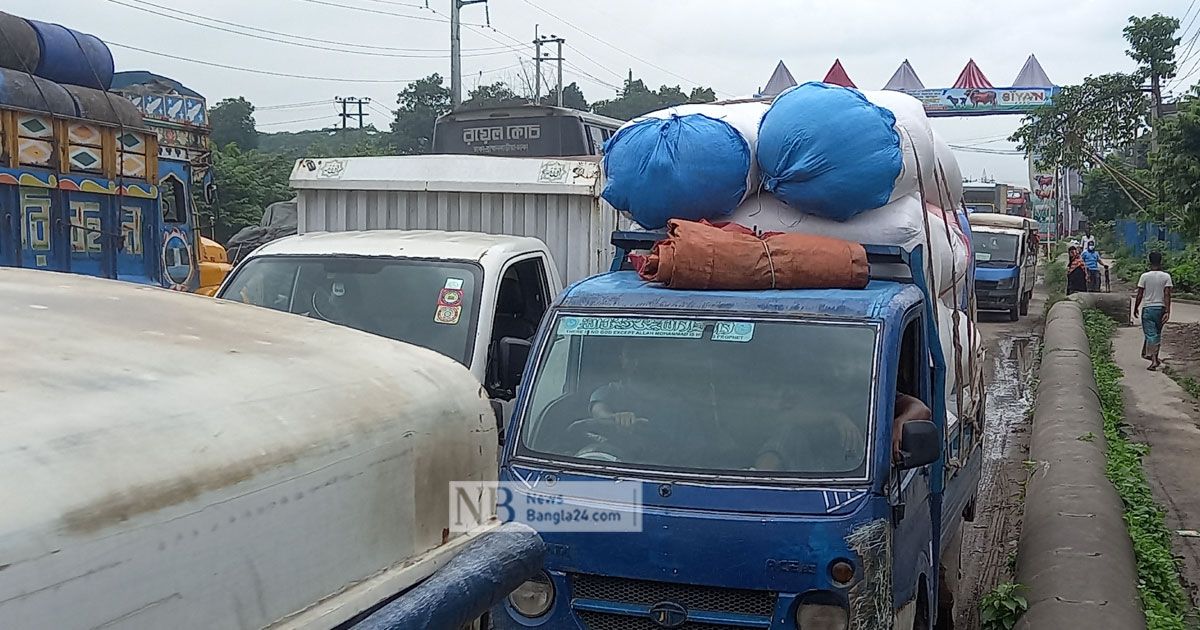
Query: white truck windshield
[[704, 395], [427, 303]]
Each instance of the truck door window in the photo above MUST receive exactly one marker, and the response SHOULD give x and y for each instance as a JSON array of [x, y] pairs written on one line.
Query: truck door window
[[174, 200], [521, 300]]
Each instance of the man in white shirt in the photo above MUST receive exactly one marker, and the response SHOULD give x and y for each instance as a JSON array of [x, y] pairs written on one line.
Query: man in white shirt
[[1153, 305]]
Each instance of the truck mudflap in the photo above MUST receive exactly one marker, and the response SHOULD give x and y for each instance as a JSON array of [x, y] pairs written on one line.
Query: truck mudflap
[[479, 577]]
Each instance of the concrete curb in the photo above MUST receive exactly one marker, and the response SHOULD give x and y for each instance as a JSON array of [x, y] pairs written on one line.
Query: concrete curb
[[1118, 306], [1075, 556]]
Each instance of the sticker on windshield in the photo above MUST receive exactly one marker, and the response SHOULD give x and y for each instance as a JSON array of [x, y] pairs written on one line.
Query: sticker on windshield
[[450, 297], [447, 314], [983, 256], [631, 327], [740, 332], [454, 283]]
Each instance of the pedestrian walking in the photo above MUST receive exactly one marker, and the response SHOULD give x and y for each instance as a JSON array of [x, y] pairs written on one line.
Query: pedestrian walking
[[1093, 262], [1076, 272], [1153, 306]]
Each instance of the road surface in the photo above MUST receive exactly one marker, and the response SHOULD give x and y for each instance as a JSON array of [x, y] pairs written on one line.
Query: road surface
[[990, 543]]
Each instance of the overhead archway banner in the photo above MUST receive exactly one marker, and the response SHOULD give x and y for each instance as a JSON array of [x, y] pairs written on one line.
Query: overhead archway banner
[[982, 101]]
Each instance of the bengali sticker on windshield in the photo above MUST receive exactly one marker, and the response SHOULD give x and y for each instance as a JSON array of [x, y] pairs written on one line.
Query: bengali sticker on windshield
[[631, 327], [733, 331]]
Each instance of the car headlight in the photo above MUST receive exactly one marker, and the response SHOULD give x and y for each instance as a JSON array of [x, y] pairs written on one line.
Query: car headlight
[[822, 617], [534, 597], [1006, 283]]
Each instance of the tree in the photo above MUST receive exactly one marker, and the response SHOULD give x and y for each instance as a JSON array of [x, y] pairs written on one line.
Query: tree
[[232, 121], [1086, 121], [702, 95], [572, 98], [1107, 197], [1152, 44], [247, 182], [496, 94], [1177, 167], [420, 104], [636, 99]]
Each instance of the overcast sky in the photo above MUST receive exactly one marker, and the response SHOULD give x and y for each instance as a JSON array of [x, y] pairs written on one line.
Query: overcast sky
[[729, 45]]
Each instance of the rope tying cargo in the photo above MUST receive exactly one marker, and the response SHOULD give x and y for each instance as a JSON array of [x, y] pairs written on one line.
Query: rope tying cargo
[[770, 261]]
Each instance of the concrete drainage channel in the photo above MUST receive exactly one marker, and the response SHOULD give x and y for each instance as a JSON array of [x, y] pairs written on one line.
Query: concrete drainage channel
[[1075, 557]]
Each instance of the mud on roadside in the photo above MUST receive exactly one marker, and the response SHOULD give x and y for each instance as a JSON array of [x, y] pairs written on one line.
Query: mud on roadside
[[990, 542]]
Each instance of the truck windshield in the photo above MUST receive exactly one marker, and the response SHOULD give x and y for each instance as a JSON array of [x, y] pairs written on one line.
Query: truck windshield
[[993, 249], [726, 397], [427, 303]]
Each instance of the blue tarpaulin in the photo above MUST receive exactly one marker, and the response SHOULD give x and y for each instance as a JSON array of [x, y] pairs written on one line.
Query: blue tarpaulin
[[679, 167], [827, 150]]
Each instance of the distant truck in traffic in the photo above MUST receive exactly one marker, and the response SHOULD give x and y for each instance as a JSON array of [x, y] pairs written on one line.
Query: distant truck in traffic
[[1005, 262], [177, 462], [845, 537], [99, 169]]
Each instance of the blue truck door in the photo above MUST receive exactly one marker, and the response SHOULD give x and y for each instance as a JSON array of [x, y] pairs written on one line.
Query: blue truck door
[[89, 224], [178, 255], [912, 550], [41, 241], [10, 227], [138, 258]]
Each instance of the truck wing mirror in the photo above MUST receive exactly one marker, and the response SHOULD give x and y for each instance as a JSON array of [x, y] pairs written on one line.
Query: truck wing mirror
[[514, 352], [920, 444]]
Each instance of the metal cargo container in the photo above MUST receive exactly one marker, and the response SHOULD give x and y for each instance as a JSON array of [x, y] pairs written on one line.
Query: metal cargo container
[[555, 200]]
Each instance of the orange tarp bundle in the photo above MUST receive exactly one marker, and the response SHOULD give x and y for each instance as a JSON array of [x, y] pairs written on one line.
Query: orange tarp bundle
[[705, 256]]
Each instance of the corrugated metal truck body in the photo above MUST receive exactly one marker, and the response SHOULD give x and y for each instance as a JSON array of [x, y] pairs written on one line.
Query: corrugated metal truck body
[[555, 200]]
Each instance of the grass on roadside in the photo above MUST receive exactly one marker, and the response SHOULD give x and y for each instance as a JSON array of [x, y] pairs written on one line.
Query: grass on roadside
[[1054, 272], [1163, 599]]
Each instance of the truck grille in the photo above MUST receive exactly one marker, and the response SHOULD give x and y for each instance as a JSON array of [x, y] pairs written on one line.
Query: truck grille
[[986, 285], [602, 621], [646, 592]]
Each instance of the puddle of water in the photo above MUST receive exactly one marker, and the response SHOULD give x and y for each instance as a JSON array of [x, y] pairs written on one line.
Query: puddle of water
[[1009, 394]]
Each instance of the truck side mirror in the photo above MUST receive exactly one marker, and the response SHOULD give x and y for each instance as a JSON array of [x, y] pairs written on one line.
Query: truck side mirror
[[920, 444], [513, 353]]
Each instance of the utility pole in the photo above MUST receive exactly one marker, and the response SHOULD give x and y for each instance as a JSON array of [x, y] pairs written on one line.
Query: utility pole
[[346, 115], [538, 42], [456, 49]]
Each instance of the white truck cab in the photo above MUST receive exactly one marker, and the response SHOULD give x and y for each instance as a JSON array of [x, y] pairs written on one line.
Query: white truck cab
[[476, 298]]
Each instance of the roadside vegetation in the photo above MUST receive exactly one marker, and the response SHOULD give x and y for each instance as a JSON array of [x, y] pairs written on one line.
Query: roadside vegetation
[[1184, 267], [1003, 606], [1163, 599], [1054, 274]]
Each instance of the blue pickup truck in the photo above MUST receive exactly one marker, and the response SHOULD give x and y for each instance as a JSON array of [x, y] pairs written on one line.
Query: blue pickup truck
[[762, 446]]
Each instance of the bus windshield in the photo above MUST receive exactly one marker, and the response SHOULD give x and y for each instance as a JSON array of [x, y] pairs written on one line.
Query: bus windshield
[[425, 303], [726, 397]]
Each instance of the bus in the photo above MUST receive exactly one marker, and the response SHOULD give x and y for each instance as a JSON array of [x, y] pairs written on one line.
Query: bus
[[523, 131]]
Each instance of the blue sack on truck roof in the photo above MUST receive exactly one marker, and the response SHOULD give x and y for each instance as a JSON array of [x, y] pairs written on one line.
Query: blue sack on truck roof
[[689, 162], [828, 151]]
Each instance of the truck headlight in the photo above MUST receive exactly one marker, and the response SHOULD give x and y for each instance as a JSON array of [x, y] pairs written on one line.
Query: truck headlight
[[822, 617], [534, 597], [1006, 283]]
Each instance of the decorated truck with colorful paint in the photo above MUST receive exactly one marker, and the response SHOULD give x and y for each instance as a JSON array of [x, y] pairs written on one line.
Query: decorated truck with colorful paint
[[98, 170]]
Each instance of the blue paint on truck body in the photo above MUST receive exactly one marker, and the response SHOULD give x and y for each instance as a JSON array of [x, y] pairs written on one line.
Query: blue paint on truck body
[[717, 549]]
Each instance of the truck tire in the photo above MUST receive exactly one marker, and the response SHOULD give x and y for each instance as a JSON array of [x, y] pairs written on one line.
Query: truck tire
[[1014, 313], [1025, 299]]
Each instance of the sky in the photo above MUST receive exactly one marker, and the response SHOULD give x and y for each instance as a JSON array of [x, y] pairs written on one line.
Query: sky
[[729, 45]]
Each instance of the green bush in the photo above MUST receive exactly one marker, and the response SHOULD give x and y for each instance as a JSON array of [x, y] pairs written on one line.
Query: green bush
[[1184, 266]]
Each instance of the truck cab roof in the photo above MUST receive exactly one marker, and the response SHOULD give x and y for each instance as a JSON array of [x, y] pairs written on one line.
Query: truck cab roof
[[881, 299], [428, 244]]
